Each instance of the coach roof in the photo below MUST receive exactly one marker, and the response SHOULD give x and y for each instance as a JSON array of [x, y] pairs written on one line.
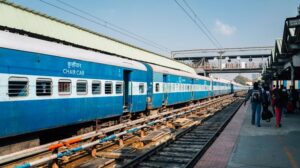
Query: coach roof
[[24, 43], [166, 70]]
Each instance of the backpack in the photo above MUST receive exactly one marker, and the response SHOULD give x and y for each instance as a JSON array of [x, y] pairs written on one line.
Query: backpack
[[255, 97]]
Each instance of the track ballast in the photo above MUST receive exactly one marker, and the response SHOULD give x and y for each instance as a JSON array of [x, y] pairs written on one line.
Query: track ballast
[[188, 146]]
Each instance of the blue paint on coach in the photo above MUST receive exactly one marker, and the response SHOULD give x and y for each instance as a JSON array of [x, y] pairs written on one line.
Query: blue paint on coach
[[157, 100], [202, 94], [20, 117], [220, 92], [179, 96], [149, 87], [28, 63], [157, 97], [138, 103]]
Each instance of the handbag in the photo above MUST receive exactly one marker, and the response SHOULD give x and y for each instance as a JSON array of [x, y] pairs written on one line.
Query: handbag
[[266, 115]]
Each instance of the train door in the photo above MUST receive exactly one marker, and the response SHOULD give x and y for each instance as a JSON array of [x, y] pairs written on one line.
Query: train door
[[165, 90], [231, 88], [192, 88], [127, 91], [212, 88]]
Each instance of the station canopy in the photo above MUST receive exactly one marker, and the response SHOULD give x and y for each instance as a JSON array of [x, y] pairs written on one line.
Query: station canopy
[[16, 17]]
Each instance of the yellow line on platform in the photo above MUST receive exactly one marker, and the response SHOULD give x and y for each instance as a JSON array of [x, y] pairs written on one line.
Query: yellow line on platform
[[289, 154]]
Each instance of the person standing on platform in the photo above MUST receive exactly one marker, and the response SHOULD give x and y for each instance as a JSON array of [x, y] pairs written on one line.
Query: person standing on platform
[[284, 98], [266, 114], [277, 104], [274, 87], [256, 102], [274, 92], [293, 97]]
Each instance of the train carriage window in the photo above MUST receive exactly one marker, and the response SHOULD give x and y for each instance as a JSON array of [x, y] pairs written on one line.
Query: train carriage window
[[64, 86], [165, 88], [96, 87], [157, 87], [17, 87], [141, 88], [119, 88], [108, 87], [43, 87], [81, 87]]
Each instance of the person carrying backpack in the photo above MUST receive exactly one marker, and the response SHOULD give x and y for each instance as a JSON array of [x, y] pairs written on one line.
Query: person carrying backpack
[[256, 102]]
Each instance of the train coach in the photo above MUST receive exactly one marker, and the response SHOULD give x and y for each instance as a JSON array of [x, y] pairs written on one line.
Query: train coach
[[236, 87], [221, 87], [47, 85], [174, 87]]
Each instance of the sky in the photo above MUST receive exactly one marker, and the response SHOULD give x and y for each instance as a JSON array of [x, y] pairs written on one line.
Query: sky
[[234, 23]]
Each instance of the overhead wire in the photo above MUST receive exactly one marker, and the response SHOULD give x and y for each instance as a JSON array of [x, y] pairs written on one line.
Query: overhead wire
[[111, 24], [105, 25], [197, 24], [203, 24]]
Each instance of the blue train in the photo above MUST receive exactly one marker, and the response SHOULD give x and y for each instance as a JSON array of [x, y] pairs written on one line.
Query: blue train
[[46, 85]]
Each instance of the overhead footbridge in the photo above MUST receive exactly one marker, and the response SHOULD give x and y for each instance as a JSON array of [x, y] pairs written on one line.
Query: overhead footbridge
[[21, 20], [225, 60]]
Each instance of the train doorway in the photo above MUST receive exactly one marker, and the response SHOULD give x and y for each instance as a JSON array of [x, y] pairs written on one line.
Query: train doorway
[[192, 88], [127, 90], [165, 90]]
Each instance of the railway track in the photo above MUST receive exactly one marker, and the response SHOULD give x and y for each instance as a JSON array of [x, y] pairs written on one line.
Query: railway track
[[185, 149], [95, 146]]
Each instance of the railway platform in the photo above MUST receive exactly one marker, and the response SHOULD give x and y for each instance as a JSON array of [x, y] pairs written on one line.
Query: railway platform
[[244, 145]]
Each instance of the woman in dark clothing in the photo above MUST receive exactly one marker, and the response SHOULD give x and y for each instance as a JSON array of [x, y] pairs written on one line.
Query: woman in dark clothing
[[266, 114], [294, 97]]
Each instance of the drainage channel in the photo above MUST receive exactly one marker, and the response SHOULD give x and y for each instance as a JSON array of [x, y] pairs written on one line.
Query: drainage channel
[[187, 147]]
